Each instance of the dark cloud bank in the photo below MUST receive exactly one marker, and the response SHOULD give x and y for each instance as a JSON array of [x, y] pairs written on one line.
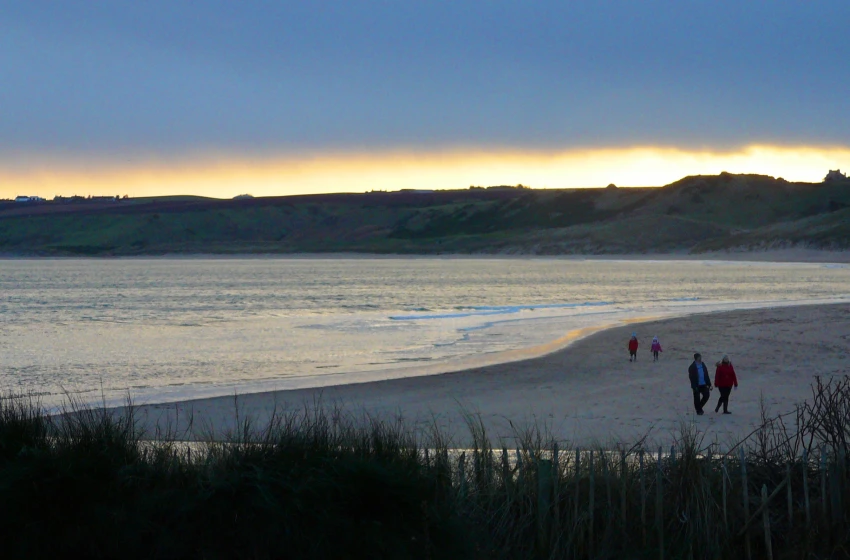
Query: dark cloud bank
[[165, 75]]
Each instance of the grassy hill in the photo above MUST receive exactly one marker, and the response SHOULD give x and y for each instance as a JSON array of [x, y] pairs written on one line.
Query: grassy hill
[[696, 214]]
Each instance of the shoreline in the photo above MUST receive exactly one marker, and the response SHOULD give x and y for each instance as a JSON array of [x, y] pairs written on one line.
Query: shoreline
[[812, 256], [587, 391], [474, 361]]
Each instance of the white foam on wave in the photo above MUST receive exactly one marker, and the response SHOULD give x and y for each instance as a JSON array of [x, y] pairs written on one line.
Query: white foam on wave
[[485, 310]]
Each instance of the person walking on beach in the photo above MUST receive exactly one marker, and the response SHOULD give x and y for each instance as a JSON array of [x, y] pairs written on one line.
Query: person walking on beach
[[700, 383], [655, 348], [633, 346], [724, 380]]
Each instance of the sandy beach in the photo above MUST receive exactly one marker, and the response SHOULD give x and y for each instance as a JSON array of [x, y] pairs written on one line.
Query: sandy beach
[[588, 392]]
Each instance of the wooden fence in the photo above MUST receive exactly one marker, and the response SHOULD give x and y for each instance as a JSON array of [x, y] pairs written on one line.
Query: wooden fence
[[600, 503]]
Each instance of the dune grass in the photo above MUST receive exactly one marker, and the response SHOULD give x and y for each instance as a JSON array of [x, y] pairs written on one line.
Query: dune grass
[[323, 482]]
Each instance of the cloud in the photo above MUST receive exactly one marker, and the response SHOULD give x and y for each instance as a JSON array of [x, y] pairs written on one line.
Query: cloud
[[164, 77]]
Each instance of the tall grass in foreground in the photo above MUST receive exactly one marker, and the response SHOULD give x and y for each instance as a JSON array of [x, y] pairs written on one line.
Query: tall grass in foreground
[[325, 483]]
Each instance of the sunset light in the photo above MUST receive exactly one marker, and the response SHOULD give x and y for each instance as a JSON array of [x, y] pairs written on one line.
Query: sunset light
[[227, 176]]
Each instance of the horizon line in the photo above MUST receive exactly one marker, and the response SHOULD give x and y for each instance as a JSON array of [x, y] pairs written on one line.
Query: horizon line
[[221, 176]]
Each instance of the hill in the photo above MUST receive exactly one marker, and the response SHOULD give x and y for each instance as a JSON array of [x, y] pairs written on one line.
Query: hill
[[694, 214]]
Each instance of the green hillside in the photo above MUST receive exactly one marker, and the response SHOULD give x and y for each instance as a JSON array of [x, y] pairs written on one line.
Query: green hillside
[[701, 213]]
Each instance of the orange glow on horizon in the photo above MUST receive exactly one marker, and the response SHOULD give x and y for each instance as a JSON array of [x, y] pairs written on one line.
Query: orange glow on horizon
[[227, 176]]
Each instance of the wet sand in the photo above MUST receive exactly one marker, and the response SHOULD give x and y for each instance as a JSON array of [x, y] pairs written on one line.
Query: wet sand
[[588, 392]]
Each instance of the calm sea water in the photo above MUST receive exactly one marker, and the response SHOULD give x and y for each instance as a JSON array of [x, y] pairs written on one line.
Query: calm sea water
[[167, 329]]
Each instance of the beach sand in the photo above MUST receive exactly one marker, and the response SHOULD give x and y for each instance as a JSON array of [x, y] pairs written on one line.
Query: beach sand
[[588, 392]]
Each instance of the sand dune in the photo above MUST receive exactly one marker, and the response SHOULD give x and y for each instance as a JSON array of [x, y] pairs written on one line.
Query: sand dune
[[590, 391]]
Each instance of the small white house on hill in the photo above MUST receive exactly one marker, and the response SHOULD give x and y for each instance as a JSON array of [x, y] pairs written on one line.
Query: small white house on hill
[[28, 199]]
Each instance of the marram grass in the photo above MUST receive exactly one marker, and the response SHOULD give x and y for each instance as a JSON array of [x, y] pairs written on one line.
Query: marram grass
[[323, 482]]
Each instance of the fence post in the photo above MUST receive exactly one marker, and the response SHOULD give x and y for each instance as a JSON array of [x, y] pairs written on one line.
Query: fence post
[[556, 483], [766, 517], [724, 476], [790, 497], [606, 472], [842, 478], [642, 497], [823, 484], [578, 484], [476, 469], [491, 465], [659, 507], [746, 493], [835, 495], [624, 473], [520, 473], [461, 467], [507, 477], [806, 488], [591, 506], [544, 489]]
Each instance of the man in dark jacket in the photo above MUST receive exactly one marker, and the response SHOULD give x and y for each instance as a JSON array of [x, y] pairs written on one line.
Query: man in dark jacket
[[700, 383]]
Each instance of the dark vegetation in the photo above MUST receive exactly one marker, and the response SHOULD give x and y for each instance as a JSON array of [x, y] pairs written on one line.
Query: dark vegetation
[[696, 214], [322, 483]]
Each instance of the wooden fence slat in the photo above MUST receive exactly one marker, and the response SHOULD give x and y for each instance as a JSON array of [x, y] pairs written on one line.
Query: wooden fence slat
[[556, 484], [461, 467], [766, 517], [507, 477], [590, 501], [746, 495], [544, 490], [624, 474], [823, 485], [476, 469], [659, 507], [842, 477], [578, 484], [806, 488], [725, 476], [789, 496], [834, 494], [491, 465], [765, 502], [642, 497], [606, 473]]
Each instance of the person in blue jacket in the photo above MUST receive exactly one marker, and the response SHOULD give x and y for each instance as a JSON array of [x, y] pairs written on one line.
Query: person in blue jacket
[[700, 383]]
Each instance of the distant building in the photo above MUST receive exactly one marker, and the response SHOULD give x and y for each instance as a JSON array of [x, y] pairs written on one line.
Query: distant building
[[28, 199], [835, 175], [68, 199]]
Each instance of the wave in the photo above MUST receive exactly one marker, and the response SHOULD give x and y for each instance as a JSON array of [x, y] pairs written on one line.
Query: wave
[[485, 310]]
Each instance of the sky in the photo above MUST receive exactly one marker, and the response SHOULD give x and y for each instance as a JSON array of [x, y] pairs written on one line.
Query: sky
[[220, 98]]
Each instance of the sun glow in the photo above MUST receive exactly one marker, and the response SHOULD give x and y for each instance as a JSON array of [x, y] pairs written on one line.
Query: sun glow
[[226, 176]]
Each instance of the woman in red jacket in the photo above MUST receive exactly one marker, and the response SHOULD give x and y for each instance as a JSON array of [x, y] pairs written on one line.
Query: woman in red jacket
[[724, 379], [633, 346]]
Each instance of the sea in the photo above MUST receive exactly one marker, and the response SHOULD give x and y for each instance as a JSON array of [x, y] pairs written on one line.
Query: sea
[[167, 329]]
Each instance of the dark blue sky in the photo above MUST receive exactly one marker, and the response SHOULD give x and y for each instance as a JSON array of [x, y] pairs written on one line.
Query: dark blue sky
[[171, 77]]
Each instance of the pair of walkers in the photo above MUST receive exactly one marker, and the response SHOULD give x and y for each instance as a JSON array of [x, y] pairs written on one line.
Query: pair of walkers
[[655, 348], [724, 380]]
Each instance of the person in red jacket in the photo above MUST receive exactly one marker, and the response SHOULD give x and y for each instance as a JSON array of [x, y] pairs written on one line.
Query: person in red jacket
[[724, 379], [633, 346]]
